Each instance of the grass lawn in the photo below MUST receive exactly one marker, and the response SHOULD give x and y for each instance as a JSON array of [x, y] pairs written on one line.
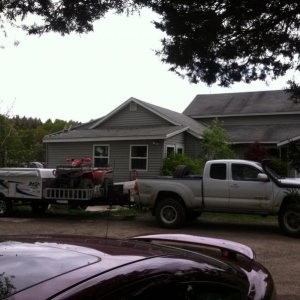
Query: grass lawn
[[117, 211], [238, 218]]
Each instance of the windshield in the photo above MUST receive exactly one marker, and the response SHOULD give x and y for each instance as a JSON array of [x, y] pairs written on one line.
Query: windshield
[[43, 261]]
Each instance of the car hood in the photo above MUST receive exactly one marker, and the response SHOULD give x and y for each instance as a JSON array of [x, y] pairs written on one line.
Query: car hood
[[295, 181]]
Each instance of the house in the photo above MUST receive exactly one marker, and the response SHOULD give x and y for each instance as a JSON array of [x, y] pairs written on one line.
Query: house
[[267, 117], [133, 139]]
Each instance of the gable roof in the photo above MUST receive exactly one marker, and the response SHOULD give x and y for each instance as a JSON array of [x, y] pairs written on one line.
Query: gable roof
[[173, 117], [92, 130], [247, 103]]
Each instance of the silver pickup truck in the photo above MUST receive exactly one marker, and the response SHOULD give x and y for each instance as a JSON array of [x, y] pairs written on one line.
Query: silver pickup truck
[[231, 186]]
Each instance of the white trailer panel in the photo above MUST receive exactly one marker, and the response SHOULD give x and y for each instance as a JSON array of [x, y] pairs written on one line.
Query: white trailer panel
[[24, 183]]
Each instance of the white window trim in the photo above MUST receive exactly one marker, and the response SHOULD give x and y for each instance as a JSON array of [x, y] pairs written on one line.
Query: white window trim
[[101, 145], [146, 158], [169, 146], [175, 147], [179, 146]]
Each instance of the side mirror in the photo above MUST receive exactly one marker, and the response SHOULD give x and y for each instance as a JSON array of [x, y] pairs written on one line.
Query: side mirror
[[262, 177]]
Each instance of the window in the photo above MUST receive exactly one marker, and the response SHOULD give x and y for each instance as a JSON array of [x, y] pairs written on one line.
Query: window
[[244, 172], [138, 157], [133, 106], [101, 156], [170, 150], [180, 149], [218, 171]]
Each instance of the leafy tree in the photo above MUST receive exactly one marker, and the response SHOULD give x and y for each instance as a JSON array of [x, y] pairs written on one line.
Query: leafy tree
[[6, 286], [214, 41], [215, 143], [256, 152], [279, 166], [4, 133], [21, 139], [294, 155]]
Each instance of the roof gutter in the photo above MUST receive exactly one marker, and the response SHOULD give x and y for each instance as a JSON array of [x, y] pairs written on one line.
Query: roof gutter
[[287, 141], [102, 139]]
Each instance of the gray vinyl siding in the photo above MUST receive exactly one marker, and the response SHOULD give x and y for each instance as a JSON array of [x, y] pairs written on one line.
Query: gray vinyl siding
[[192, 146], [155, 159], [176, 139], [58, 152], [119, 158], [140, 117]]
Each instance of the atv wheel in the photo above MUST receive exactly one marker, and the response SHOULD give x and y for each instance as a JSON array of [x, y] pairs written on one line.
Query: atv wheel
[[86, 183]]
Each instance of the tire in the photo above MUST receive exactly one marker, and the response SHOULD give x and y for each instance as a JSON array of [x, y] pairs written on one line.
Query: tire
[[5, 207], [39, 208], [289, 220], [170, 213]]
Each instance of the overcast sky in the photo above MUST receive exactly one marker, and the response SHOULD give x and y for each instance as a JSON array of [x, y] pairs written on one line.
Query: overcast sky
[[84, 77]]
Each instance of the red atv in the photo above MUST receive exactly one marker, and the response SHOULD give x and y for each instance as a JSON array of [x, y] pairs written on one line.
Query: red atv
[[80, 174]]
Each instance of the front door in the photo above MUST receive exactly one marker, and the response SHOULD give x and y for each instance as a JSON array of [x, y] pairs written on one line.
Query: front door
[[246, 191]]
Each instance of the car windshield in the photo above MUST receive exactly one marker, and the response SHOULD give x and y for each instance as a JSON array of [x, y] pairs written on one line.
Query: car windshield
[[21, 264]]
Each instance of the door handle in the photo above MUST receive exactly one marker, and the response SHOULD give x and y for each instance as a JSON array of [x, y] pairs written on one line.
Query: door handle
[[234, 185]]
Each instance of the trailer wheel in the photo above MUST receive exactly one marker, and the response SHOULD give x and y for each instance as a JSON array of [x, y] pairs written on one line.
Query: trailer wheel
[[5, 207], [170, 213], [289, 220], [39, 208]]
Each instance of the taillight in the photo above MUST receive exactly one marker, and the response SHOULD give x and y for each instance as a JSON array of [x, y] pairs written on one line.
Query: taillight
[[136, 187]]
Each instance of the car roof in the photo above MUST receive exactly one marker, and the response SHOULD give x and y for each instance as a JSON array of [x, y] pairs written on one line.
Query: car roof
[[67, 260]]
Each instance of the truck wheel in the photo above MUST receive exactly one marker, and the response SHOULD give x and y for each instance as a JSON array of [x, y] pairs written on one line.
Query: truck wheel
[[289, 220], [5, 207], [170, 213]]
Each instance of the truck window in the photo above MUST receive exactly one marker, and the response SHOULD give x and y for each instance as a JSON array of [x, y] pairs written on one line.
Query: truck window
[[218, 171], [244, 172]]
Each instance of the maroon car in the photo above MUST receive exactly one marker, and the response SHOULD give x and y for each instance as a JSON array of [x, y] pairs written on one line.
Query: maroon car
[[164, 266]]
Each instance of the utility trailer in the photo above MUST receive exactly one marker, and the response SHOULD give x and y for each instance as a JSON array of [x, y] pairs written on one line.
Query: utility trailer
[[37, 187]]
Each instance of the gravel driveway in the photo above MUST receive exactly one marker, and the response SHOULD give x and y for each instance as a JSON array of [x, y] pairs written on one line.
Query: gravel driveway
[[280, 254]]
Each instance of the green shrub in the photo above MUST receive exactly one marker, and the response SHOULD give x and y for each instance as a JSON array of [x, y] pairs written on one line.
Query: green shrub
[[172, 161], [279, 166]]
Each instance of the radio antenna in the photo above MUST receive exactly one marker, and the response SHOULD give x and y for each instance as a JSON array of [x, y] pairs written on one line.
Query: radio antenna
[[107, 223]]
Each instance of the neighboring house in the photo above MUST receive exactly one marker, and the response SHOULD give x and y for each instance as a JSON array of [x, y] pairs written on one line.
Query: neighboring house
[[133, 139], [267, 117]]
